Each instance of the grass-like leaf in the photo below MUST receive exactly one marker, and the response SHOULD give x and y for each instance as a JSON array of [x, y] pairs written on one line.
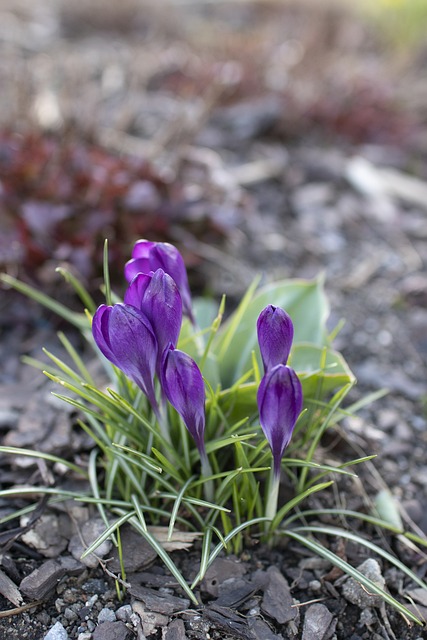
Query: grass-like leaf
[[371, 587]]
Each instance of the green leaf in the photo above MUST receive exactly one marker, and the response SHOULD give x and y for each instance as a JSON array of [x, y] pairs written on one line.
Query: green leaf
[[320, 366], [387, 509], [371, 586]]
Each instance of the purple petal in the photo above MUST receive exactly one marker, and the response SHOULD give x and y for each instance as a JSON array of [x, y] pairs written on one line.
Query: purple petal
[[157, 296], [125, 337], [275, 335], [150, 256], [136, 291], [142, 248], [183, 386], [140, 262], [280, 402]]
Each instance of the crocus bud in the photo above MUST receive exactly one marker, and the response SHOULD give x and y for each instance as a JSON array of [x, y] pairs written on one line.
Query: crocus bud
[[125, 336], [157, 296], [280, 402], [275, 335], [150, 256], [183, 386]]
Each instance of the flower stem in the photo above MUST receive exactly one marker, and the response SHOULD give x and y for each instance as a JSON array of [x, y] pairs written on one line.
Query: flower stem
[[206, 472], [273, 495], [162, 416]]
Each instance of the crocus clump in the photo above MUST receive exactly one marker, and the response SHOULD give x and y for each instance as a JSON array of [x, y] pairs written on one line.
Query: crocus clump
[[140, 335], [279, 395]]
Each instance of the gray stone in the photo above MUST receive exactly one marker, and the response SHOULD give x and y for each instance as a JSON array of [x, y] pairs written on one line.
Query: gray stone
[[124, 613], [8, 418], [112, 631], [90, 531], [261, 631], [150, 620], [317, 623], [358, 595], [176, 631], [137, 553], [46, 535], [57, 632], [106, 615], [222, 569], [40, 582], [277, 601]]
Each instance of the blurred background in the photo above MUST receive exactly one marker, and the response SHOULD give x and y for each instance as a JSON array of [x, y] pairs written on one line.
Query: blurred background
[[169, 119]]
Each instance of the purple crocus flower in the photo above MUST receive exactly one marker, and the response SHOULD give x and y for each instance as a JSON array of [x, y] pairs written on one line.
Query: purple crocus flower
[[183, 386], [280, 402], [157, 296], [275, 335], [126, 338], [149, 256]]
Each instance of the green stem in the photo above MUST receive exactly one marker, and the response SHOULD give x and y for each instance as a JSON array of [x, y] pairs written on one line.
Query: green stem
[[162, 418], [272, 497], [208, 487]]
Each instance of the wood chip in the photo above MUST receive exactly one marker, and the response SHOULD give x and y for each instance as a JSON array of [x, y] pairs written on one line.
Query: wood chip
[[157, 602], [9, 590], [40, 582]]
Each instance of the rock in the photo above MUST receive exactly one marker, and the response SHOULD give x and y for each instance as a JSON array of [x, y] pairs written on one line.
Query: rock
[[46, 535], [358, 595], [157, 602], [106, 615], [8, 419], [57, 632], [277, 601], [112, 631], [71, 566], [234, 591], [137, 553], [150, 620], [40, 582], [317, 623], [175, 631], [261, 631], [221, 570], [79, 542], [124, 613]]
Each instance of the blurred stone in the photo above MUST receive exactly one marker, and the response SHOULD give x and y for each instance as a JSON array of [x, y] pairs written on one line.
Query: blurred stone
[[318, 623], [112, 631], [175, 631], [47, 535], [79, 542], [57, 632]]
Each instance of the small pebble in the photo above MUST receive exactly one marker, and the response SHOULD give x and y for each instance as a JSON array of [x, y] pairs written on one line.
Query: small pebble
[[92, 601], [124, 613], [106, 615], [315, 586], [70, 614], [84, 636], [57, 632]]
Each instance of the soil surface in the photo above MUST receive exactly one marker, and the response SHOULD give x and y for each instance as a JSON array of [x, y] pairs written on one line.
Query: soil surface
[[287, 139]]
